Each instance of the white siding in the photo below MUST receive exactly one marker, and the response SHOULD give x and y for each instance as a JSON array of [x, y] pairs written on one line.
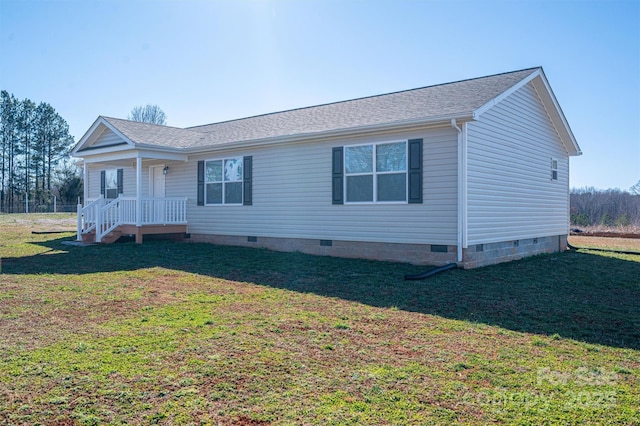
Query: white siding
[[128, 179], [510, 192], [292, 196], [106, 138]]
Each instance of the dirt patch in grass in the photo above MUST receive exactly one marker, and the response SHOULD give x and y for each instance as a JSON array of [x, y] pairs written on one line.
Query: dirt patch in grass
[[41, 221], [608, 242]]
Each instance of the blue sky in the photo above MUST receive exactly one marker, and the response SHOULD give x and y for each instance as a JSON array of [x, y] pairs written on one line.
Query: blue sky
[[209, 61]]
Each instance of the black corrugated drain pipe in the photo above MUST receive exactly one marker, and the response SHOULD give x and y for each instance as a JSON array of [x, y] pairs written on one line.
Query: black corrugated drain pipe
[[430, 273]]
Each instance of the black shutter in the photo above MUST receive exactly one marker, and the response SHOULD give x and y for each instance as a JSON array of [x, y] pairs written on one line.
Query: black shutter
[[415, 171], [120, 183], [201, 183], [337, 176], [103, 183], [247, 166]]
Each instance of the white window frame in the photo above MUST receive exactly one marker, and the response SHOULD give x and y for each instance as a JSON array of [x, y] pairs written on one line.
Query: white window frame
[[223, 182], [375, 173], [554, 169], [107, 172]]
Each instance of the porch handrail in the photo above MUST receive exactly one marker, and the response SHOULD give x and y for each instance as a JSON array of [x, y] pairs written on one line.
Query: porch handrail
[[108, 218], [164, 210], [87, 217], [155, 210]]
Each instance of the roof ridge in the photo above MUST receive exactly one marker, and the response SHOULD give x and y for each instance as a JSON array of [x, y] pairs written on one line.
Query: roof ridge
[[361, 98], [145, 123]]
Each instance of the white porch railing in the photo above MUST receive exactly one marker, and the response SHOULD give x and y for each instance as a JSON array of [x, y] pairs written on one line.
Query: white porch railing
[[105, 216], [87, 217]]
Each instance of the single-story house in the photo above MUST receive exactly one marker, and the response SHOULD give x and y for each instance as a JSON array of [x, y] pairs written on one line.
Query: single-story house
[[474, 172]]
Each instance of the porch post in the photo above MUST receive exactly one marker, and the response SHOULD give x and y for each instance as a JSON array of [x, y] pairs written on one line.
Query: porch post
[[85, 183], [138, 191], [79, 220]]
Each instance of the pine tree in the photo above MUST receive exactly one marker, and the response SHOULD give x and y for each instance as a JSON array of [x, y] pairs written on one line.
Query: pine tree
[[33, 140]]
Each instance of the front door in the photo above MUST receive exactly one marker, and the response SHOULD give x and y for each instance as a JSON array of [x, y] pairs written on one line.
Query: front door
[[156, 207]]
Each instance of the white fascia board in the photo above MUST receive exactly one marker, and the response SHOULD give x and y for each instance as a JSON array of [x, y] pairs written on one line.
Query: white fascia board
[[88, 136], [118, 132], [158, 148], [160, 154], [404, 125], [484, 108], [101, 150], [557, 116], [550, 103], [130, 154]]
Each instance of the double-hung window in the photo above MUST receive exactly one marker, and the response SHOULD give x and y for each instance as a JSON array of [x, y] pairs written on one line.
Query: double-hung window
[[223, 181], [111, 184], [376, 172]]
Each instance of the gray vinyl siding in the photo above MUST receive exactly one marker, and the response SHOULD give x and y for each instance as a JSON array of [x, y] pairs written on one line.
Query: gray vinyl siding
[[510, 192], [292, 196]]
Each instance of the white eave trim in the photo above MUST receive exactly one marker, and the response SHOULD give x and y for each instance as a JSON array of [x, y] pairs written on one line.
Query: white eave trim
[[484, 108], [130, 154], [101, 150], [557, 116], [89, 134], [550, 103]]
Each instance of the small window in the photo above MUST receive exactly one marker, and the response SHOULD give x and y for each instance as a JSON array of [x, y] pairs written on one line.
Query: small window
[[111, 184], [223, 181], [376, 172], [554, 169]]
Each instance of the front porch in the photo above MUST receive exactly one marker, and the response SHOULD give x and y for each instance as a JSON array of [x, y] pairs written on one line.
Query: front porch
[[104, 221], [126, 186]]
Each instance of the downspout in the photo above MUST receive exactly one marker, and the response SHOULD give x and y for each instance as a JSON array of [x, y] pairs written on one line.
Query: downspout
[[461, 187]]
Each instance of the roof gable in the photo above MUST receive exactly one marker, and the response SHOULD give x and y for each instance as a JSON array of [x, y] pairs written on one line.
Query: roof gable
[[550, 103], [101, 135]]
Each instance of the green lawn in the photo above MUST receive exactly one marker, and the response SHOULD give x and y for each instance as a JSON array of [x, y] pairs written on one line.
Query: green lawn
[[179, 333]]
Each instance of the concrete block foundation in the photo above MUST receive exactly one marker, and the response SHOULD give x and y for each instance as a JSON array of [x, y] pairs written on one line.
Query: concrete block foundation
[[505, 251], [418, 254]]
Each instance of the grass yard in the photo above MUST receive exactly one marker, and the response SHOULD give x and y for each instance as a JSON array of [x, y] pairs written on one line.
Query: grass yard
[[178, 333]]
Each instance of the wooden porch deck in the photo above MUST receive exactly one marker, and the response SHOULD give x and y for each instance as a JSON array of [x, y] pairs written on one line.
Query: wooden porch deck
[[138, 231]]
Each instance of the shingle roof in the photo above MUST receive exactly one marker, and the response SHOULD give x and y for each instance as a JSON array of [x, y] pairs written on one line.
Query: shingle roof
[[154, 134], [427, 103]]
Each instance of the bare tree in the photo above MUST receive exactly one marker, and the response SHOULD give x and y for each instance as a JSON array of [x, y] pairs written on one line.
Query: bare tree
[[148, 114], [635, 189], [609, 207]]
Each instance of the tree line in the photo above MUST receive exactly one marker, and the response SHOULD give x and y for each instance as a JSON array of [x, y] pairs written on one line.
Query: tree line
[[609, 207], [34, 141]]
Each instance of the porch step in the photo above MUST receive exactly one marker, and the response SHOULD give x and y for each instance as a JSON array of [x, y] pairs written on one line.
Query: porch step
[[89, 237], [111, 237]]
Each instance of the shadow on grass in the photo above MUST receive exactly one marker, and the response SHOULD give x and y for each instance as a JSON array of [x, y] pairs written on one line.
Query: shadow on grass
[[578, 295]]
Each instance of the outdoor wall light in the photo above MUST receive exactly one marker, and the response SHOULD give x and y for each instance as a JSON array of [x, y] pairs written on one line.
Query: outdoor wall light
[[165, 171]]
